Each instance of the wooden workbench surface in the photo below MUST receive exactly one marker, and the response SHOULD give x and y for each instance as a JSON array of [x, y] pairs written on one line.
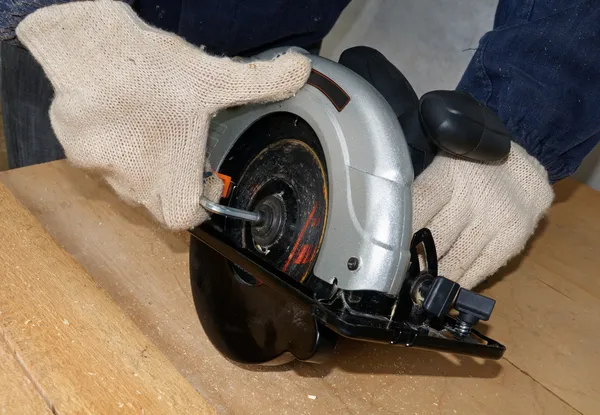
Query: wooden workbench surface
[[65, 346], [547, 314]]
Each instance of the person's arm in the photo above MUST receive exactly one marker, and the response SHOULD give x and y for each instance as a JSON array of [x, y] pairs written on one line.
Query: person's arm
[[133, 103], [539, 70]]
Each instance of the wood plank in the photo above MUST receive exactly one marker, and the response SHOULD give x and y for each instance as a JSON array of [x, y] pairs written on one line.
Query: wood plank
[[145, 269], [17, 393], [74, 341], [549, 300]]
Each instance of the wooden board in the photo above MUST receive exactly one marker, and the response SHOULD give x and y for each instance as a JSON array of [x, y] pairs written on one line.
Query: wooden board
[[17, 392], [73, 342], [549, 367], [553, 293]]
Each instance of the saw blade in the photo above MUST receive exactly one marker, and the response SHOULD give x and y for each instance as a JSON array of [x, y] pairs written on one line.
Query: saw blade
[[286, 182]]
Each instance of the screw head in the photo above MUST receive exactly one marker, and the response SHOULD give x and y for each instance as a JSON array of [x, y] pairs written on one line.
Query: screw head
[[353, 263]]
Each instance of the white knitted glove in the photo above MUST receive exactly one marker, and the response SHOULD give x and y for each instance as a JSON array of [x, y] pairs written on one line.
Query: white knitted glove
[[134, 103], [480, 214]]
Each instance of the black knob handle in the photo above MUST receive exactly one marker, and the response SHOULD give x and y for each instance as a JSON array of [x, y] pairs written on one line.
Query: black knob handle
[[440, 297], [473, 307], [461, 125]]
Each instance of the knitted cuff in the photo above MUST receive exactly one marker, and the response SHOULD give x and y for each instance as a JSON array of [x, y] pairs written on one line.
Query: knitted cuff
[[53, 34], [531, 174]]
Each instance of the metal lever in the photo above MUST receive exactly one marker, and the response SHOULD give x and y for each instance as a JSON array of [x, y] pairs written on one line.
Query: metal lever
[[230, 212]]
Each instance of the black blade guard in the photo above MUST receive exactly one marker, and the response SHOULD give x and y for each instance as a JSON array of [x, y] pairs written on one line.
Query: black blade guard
[[249, 322], [277, 165]]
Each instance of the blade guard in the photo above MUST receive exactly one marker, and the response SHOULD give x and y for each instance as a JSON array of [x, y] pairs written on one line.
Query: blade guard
[[250, 322]]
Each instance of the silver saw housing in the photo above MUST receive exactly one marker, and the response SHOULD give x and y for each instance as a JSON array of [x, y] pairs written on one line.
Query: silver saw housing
[[369, 172]]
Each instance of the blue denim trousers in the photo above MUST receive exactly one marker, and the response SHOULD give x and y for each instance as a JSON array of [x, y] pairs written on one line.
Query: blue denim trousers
[[538, 69], [26, 98]]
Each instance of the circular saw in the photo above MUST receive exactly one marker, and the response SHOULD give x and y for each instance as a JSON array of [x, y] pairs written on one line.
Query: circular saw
[[312, 238]]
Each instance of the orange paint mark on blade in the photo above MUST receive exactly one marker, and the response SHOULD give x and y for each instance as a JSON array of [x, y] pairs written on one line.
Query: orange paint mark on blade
[[304, 255], [302, 232]]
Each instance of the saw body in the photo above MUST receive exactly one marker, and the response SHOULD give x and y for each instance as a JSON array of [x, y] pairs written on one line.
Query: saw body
[[369, 169], [330, 252]]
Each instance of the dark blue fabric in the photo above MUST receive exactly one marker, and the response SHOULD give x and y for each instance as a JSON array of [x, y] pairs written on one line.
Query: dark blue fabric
[[539, 70], [26, 97], [224, 27], [244, 27]]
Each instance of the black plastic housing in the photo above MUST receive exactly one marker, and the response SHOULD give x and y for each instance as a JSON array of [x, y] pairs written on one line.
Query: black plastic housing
[[461, 125]]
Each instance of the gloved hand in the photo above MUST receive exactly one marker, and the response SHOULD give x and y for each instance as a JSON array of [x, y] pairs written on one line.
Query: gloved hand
[[134, 103], [480, 214]]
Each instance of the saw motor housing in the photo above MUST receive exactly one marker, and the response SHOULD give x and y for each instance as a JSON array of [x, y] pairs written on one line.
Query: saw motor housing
[[369, 168]]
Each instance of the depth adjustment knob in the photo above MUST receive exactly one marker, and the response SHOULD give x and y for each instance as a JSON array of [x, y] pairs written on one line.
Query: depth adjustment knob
[[440, 296], [471, 308]]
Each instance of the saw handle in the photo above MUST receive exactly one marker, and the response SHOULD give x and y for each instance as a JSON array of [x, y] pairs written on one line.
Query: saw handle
[[459, 124]]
